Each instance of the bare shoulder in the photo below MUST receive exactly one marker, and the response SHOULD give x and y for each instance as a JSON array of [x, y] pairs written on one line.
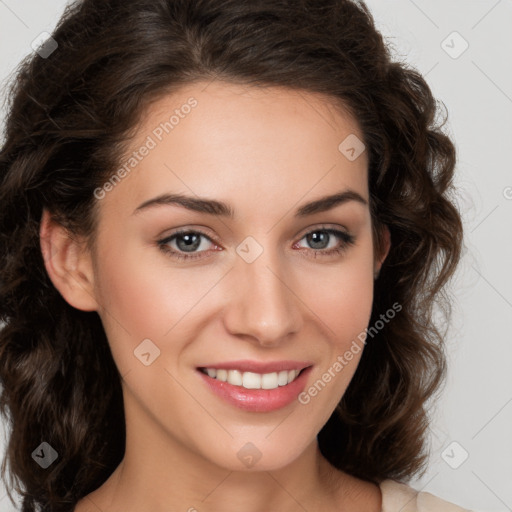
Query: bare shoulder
[[396, 496], [427, 502]]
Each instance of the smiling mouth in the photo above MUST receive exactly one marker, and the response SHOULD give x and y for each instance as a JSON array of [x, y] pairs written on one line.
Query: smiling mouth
[[252, 380]]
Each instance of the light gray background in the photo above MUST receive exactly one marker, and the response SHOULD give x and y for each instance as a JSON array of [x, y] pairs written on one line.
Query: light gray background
[[476, 407]]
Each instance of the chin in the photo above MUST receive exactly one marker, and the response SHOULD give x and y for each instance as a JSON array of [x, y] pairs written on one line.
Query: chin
[[260, 454]]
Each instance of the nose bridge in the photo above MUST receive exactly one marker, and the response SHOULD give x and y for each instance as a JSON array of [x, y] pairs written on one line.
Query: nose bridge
[[264, 305]]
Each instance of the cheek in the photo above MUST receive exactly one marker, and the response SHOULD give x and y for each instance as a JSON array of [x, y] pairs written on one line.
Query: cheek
[[132, 294], [137, 301], [343, 299], [344, 306], [143, 297]]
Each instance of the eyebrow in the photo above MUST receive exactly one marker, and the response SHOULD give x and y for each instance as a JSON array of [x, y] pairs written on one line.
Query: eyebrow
[[218, 208]]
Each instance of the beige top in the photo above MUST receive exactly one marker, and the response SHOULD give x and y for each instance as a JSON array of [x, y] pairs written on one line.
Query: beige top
[[397, 497]]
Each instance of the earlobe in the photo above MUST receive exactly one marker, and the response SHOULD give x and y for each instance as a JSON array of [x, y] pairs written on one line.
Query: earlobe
[[68, 264]]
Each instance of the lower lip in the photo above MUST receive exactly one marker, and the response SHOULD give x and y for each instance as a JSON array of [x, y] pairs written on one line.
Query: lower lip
[[258, 400]]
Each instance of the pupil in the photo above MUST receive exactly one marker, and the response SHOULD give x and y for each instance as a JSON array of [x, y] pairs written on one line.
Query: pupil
[[190, 243], [316, 236]]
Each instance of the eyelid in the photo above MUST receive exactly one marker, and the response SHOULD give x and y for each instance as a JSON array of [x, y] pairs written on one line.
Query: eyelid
[[319, 227], [189, 229]]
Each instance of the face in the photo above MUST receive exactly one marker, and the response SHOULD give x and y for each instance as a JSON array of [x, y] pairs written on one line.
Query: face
[[255, 291]]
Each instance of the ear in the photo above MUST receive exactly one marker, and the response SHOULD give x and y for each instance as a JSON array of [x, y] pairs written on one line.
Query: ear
[[68, 264], [383, 246]]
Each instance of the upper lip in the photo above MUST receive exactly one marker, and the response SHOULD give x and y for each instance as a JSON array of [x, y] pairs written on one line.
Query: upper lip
[[259, 366]]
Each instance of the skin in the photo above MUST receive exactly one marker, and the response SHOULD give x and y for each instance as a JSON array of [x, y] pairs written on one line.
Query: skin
[[265, 152]]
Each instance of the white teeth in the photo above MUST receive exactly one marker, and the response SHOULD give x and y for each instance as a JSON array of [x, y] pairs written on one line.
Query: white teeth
[[282, 378], [235, 377], [222, 375], [269, 381], [251, 380]]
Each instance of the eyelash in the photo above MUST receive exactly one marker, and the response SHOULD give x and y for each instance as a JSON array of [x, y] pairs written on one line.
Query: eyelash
[[346, 241]]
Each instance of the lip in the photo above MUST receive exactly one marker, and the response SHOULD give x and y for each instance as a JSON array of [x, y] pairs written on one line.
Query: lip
[[246, 365], [259, 400]]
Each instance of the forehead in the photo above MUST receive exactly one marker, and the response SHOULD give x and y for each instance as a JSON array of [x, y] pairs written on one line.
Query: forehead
[[256, 145]]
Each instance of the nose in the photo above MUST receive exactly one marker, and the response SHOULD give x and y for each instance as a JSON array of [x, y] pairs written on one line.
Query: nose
[[263, 305]]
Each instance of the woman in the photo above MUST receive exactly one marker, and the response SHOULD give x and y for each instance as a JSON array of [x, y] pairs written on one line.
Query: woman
[[224, 226]]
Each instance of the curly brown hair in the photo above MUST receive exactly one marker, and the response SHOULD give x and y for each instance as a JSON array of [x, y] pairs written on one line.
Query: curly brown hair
[[69, 117]]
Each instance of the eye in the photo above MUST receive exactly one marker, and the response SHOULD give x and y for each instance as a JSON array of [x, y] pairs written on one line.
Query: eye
[[321, 240], [187, 241], [188, 244]]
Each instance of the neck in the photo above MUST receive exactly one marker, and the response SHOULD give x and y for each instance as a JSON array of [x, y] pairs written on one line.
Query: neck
[[159, 473], [152, 481]]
